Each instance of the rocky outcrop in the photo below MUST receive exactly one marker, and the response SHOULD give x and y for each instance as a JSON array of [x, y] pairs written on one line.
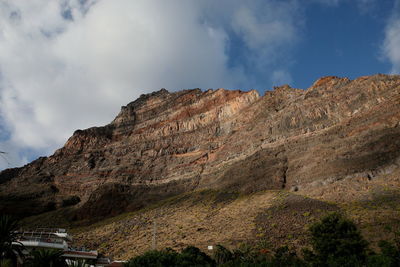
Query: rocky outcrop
[[166, 143]]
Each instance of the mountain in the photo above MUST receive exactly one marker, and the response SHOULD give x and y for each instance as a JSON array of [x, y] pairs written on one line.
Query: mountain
[[165, 144]]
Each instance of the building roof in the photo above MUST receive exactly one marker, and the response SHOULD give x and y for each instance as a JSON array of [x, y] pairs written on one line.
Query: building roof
[[81, 254]]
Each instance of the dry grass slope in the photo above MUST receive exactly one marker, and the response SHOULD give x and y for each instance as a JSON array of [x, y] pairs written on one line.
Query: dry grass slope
[[212, 217]]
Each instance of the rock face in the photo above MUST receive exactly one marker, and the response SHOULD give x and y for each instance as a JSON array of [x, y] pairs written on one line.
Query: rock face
[[164, 144]]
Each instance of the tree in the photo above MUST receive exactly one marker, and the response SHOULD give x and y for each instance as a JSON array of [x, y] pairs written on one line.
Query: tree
[[285, 257], [45, 258], [6, 263], [189, 257], [389, 256], [336, 241], [154, 258], [9, 247], [77, 263], [192, 256], [222, 255]]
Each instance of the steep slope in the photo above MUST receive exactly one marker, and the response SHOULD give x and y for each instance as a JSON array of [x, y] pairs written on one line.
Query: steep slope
[[165, 144], [269, 218]]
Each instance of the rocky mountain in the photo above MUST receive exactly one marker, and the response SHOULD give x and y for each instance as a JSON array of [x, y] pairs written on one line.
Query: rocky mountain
[[167, 143]]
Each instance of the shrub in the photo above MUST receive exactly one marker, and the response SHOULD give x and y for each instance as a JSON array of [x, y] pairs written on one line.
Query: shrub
[[6, 263], [336, 241], [389, 257], [285, 257], [10, 250], [154, 258], [222, 255], [190, 256], [45, 258], [379, 260], [78, 263]]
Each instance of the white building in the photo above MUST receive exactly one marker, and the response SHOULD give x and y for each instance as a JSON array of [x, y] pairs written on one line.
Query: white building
[[54, 238]]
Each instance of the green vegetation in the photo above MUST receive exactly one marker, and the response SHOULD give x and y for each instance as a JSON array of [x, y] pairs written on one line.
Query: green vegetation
[[336, 239], [190, 256], [45, 258], [335, 242], [78, 263], [222, 255], [6, 263], [9, 251]]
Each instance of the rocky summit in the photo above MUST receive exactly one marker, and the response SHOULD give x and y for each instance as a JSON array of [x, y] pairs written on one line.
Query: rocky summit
[[167, 143]]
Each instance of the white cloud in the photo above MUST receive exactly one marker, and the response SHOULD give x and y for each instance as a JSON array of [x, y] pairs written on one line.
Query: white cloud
[[391, 44], [281, 77], [276, 26], [71, 64], [267, 29], [10, 157]]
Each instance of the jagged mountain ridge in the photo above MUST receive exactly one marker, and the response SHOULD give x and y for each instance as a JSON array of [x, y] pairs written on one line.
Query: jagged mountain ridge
[[164, 144]]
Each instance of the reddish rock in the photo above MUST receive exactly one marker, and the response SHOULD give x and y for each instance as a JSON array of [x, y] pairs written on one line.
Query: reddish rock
[[166, 143]]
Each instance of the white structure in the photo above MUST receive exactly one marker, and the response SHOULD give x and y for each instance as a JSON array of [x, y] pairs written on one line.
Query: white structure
[[44, 238], [52, 238]]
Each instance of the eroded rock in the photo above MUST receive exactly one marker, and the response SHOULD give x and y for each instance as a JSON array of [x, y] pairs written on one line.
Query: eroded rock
[[167, 143]]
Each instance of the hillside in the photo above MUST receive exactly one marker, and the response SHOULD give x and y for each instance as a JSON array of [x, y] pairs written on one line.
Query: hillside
[[336, 142], [164, 144], [270, 218]]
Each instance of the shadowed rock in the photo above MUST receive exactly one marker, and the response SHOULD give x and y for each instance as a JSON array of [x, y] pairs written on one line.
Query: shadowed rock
[[164, 144]]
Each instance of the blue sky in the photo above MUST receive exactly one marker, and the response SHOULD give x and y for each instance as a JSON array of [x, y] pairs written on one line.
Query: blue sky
[[71, 64], [343, 41]]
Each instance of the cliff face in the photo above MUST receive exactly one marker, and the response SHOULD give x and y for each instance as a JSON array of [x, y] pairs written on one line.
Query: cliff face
[[166, 143]]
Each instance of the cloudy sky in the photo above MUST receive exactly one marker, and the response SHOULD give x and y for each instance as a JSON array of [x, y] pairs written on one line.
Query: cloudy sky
[[71, 64]]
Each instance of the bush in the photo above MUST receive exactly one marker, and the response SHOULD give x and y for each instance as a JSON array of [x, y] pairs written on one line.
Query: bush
[[190, 256], [336, 241], [154, 258], [379, 260], [78, 263], [247, 256], [285, 257], [389, 257], [6, 263], [222, 255], [10, 250], [45, 258]]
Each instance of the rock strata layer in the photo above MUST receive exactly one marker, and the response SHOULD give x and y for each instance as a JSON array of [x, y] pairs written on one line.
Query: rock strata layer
[[164, 144]]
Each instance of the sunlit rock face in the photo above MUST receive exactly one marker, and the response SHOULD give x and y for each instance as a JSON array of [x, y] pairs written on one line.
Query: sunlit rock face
[[164, 144]]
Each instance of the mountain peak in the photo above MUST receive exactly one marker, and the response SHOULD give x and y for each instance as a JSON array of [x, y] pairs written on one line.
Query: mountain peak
[[167, 143]]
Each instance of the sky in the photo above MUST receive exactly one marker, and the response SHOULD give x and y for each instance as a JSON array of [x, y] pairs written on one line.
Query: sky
[[71, 64]]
